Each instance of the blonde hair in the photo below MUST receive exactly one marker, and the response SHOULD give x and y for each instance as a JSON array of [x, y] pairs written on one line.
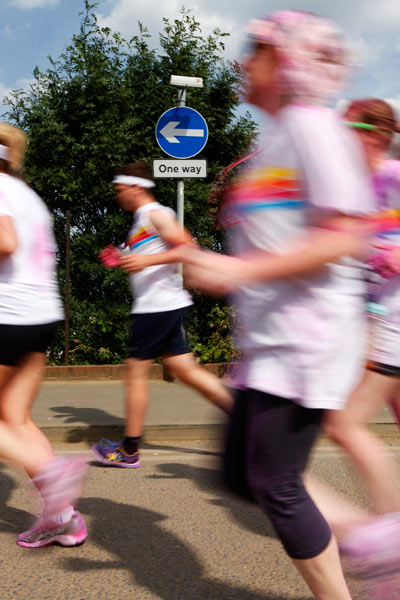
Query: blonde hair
[[16, 142]]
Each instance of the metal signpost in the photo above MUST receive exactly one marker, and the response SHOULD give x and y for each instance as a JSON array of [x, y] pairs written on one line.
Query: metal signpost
[[181, 132]]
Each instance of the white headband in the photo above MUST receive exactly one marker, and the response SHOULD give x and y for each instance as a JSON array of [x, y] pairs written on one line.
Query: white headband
[[130, 180], [4, 153]]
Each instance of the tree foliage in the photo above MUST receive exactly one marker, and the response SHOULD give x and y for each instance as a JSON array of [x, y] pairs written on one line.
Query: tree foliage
[[95, 108]]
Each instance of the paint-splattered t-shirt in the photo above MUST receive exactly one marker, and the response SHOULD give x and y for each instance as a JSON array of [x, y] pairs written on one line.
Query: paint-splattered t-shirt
[[28, 289], [302, 338]]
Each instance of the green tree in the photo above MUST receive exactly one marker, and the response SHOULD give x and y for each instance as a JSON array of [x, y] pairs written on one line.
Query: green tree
[[94, 109]]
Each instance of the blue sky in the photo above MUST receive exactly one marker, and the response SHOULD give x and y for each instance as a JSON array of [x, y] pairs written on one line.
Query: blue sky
[[30, 30], [29, 35]]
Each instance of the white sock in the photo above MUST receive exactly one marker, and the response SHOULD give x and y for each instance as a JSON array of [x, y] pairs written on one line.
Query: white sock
[[65, 516]]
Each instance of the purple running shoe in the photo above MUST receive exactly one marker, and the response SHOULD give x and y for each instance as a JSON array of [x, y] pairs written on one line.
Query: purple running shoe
[[105, 443], [45, 533], [115, 456]]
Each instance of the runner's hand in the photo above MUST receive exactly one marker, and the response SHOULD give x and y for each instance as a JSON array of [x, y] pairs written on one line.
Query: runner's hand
[[133, 263], [110, 256]]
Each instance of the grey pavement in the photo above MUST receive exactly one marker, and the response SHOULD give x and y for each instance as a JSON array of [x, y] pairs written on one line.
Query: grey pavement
[[81, 411], [166, 531], [76, 411]]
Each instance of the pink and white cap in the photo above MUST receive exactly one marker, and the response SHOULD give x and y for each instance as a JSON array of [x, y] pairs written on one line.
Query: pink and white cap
[[314, 60]]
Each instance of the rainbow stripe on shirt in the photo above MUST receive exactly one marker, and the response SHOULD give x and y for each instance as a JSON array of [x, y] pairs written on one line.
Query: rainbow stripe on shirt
[[270, 187], [141, 236], [387, 222]]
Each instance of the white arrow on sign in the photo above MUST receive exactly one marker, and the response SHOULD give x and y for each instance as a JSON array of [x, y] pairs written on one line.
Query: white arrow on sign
[[170, 132]]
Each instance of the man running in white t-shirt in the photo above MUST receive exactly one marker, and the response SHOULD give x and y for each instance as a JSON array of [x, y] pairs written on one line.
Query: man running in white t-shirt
[[150, 256]]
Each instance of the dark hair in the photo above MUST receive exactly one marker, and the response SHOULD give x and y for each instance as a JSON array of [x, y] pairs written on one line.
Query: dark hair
[[380, 113], [5, 166], [136, 169]]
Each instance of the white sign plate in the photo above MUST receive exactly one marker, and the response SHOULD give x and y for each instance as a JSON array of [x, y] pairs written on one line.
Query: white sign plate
[[179, 169]]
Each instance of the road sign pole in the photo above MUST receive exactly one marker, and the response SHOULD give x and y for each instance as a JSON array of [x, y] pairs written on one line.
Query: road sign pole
[[180, 197], [180, 202], [182, 97]]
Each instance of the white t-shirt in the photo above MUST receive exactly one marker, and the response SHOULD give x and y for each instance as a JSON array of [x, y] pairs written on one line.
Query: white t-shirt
[[157, 288], [28, 289], [302, 338]]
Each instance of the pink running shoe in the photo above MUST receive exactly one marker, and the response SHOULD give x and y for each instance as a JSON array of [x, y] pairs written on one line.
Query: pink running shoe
[[374, 546], [374, 551], [60, 482], [45, 533]]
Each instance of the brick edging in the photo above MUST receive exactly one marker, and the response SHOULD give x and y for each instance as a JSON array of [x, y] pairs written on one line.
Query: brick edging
[[116, 371]]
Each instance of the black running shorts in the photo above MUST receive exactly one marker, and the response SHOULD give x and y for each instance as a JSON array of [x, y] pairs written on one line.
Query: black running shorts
[[18, 340], [155, 334]]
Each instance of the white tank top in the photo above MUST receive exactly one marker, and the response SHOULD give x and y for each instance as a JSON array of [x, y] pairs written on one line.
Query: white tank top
[[157, 288]]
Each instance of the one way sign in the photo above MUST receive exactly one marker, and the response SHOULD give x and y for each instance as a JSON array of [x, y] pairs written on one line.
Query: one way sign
[[181, 132]]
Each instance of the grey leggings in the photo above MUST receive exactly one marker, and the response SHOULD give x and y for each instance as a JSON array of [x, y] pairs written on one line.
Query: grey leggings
[[268, 444]]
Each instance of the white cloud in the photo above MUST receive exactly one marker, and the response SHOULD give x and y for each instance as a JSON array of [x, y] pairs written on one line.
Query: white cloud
[[21, 84], [395, 104], [27, 4], [125, 15], [364, 20], [4, 91], [383, 12], [25, 82]]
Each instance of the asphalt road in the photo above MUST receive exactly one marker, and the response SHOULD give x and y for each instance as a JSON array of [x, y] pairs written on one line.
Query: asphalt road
[[165, 531]]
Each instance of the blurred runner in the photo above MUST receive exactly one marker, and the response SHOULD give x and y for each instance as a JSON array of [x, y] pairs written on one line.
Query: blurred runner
[[296, 220], [374, 122], [150, 256], [30, 313]]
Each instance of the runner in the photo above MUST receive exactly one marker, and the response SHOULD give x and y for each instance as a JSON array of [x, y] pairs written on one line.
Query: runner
[[30, 312], [298, 283], [158, 310], [375, 123], [375, 546]]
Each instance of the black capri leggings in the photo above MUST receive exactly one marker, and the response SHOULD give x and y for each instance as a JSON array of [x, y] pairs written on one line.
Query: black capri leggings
[[267, 448]]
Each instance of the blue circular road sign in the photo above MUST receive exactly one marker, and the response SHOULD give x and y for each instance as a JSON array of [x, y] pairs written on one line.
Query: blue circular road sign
[[181, 132]]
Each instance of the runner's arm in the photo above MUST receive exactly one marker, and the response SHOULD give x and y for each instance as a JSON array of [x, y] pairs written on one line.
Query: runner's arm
[[220, 274], [171, 233]]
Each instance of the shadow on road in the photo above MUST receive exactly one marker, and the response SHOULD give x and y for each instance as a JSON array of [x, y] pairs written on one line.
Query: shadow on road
[[92, 433], [12, 520], [246, 514], [101, 418], [157, 559]]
